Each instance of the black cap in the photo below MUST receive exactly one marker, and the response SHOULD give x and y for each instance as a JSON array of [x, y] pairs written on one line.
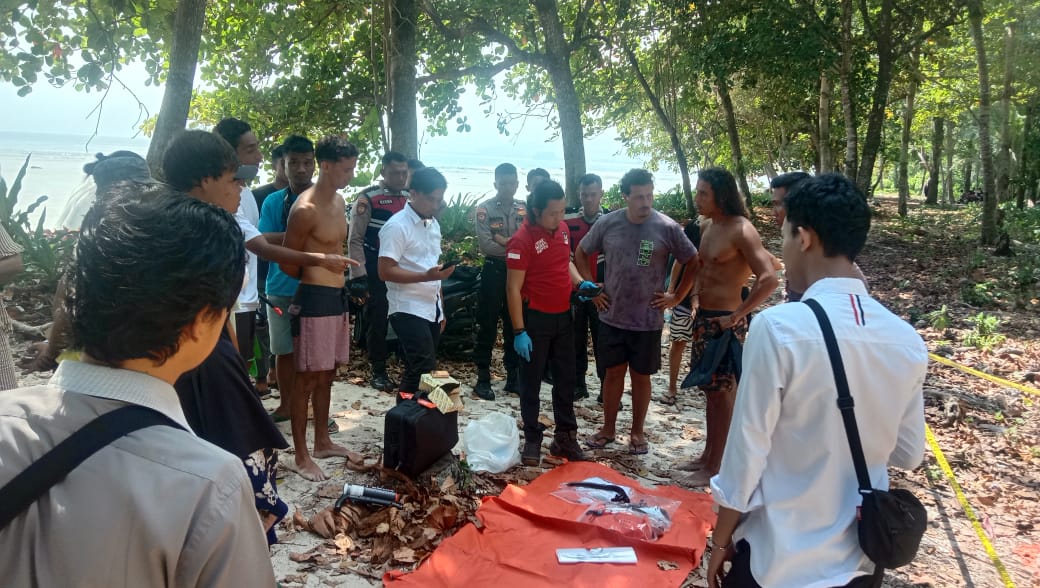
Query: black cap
[[119, 169]]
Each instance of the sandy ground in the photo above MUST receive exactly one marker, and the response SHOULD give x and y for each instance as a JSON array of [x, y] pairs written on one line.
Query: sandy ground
[[673, 433]]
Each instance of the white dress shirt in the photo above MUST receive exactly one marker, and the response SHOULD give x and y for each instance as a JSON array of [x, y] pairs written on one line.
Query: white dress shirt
[[787, 464], [415, 244], [248, 218]]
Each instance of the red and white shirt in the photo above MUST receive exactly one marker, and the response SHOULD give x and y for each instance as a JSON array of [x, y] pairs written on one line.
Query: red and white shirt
[[545, 256]]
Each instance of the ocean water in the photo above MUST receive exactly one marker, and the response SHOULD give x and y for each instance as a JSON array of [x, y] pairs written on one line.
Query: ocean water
[[56, 165]]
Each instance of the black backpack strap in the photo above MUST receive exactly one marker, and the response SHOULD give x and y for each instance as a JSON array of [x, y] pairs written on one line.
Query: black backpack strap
[[845, 402], [37, 479]]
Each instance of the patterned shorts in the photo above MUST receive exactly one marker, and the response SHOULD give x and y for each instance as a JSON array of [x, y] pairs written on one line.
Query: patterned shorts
[[724, 376], [680, 328]]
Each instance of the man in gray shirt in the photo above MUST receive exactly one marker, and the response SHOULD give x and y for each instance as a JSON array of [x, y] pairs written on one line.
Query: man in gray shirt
[[158, 506], [636, 242]]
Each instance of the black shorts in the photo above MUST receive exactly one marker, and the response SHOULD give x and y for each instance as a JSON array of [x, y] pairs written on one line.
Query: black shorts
[[641, 350]]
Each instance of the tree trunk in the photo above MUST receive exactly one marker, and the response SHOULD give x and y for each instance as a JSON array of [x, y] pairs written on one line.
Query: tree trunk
[[824, 145], [879, 99], [931, 195], [669, 126], [1004, 155], [880, 181], [734, 141], [989, 200], [969, 160], [567, 105], [948, 176], [1029, 168], [847, 105], [404, 125], [903, 172], [188, 21]]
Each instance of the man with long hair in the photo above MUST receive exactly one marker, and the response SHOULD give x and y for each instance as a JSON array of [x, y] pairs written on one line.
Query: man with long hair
[[731, 252]]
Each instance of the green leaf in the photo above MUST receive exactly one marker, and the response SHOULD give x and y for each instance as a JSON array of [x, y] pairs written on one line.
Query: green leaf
[[91, 73], [24, 91]]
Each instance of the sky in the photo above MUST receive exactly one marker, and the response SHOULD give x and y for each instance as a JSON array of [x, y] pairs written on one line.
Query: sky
[[54, 125], [65, 111]]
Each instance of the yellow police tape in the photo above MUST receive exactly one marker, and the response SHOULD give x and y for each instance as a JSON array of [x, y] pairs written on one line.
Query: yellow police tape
[[984, 375], [939, 457]]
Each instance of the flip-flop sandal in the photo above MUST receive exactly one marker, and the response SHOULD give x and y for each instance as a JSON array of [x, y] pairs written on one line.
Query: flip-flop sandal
[[669, 399], [638, 448], [598, 441], [333, 426]]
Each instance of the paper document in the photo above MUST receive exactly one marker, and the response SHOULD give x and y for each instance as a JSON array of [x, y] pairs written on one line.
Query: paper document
[[624, 555]]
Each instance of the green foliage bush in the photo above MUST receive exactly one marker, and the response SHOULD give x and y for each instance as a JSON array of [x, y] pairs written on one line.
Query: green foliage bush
[[458, 231], [456, 219], [984, 335], [1022, 225], [939, 319], [979, 294], [45, 253], [762, 199]]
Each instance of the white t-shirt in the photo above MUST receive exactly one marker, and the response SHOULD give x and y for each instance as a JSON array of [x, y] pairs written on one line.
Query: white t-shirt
[[787, 464], [248, 218], [415, 243]]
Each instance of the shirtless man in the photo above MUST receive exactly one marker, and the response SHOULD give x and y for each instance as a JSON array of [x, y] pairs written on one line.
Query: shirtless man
[[321, 323], [730, 252]]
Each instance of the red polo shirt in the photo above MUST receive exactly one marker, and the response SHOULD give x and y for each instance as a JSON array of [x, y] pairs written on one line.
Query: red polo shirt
[[546, 257]]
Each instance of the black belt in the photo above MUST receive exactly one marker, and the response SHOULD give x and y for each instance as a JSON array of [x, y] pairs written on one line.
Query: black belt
[[494, 261]]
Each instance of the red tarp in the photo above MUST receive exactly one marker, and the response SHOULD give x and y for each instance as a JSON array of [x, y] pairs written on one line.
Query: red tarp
[[525, 525]]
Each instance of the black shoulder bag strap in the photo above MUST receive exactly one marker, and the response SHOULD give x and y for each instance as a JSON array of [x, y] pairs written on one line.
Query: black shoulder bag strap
[[37, 479], [845, 402]]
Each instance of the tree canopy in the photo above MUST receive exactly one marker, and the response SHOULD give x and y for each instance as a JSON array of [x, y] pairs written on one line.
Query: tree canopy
[[870, 88]]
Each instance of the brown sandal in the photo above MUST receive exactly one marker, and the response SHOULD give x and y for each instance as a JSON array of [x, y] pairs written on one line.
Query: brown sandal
[[598, 441]]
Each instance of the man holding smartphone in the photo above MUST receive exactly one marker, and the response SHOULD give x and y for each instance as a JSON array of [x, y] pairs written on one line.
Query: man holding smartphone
[[409, 248]]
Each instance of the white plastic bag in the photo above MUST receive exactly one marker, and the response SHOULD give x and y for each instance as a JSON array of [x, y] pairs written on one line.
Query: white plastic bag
[[492, 443]]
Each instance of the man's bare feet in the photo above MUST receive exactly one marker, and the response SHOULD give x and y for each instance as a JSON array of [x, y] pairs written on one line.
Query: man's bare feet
[[308, 470], [330, 450], [698, 479]]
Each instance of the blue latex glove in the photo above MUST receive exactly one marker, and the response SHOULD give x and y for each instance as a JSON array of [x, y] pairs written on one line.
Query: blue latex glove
[[523, 345], [582, 286]]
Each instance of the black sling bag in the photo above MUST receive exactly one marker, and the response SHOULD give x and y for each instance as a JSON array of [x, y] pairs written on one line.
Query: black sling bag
[[37, 479], [890, 523]]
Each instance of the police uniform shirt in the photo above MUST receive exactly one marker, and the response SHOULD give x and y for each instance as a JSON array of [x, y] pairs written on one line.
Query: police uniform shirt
[[492, 218], [368, 214]]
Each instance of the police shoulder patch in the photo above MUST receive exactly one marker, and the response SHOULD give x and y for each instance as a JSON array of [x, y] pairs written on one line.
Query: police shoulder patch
[[481, 214], [361, 206]]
